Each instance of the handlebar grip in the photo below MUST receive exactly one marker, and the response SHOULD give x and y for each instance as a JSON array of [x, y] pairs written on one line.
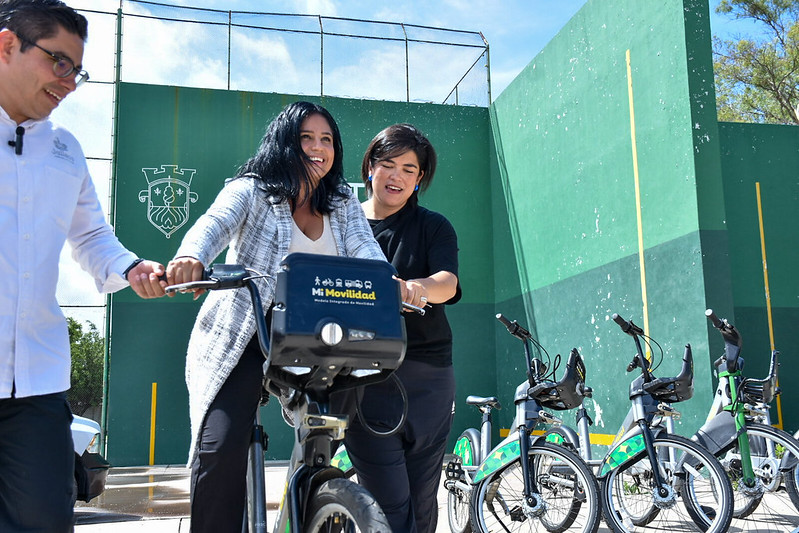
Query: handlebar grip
[[716, 321], [627, 326], [218, 276], [513, 327], [505, 322]]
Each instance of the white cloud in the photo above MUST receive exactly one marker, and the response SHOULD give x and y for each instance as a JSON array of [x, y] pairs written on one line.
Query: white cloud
[[326, 8]]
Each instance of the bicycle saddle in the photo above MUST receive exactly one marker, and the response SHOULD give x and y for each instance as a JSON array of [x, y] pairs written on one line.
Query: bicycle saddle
[[480, 401], [678, 388], [569, 391]]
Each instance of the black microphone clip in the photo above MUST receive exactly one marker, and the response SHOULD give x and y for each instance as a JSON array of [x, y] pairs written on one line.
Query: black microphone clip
[[17, 142]]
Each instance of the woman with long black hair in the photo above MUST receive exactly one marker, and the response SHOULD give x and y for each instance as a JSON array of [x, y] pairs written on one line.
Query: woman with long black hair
[[289, 197]]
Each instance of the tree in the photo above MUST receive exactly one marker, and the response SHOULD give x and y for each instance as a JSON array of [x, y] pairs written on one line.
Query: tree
[[757, 78], [87, 349]]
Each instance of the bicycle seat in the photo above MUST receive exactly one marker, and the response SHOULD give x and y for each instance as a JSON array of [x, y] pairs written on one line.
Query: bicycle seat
[[568, 392], [480, 401], [336, 323], [678, 388]]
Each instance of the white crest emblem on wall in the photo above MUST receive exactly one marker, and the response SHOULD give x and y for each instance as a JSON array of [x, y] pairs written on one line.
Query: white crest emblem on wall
[[168, 195]]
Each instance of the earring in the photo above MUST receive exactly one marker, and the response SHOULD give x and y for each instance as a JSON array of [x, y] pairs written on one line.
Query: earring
[[370, 177], [416, 188]]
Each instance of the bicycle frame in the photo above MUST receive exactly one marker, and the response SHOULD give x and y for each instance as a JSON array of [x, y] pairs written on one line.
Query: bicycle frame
[[529, 414], [639, 430], [719, 431], [305, 365]]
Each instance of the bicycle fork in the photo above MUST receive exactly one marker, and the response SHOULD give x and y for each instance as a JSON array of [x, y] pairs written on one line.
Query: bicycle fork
[[256, 501], [747, 470], [534, 504]]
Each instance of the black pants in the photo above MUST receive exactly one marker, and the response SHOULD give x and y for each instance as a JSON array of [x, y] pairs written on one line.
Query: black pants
[[403, 471], [37, 464], [219, 471]]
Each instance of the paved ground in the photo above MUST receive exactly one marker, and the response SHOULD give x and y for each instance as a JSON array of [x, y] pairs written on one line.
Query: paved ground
[[156, 500]]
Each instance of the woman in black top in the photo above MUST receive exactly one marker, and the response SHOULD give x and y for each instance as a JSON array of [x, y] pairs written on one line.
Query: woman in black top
[[403, 471]]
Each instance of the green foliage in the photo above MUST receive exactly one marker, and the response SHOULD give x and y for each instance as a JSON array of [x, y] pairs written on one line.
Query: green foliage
[[87, 348], [757, 78]]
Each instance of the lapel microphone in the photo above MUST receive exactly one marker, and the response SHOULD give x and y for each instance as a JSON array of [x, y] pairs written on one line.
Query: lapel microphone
[[17, 142]]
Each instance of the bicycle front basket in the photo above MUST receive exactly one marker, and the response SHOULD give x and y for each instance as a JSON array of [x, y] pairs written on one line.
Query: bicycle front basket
[[334, 315], [569, 391], [678, 388]]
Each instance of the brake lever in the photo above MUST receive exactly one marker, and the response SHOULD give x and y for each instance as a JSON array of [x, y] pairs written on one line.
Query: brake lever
[[410, 307]]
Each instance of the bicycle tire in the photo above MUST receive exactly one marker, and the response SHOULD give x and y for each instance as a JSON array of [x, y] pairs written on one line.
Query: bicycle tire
[[792, 485], [466, 450], [699, 492], [772, 508], [339, 505], [568, 490]]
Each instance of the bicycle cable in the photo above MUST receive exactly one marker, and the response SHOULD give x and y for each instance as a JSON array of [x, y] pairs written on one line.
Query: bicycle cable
[[550, 366], [649, 341], [369, 429]]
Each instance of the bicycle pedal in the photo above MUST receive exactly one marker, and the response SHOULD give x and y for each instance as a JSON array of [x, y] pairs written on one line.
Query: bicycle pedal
[[453, 470]]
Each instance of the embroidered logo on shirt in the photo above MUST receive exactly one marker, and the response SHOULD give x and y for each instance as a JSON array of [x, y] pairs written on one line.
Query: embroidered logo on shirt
[[60, 150], [168, 195]]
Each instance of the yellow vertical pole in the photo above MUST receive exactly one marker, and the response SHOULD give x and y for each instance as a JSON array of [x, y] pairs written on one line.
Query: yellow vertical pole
[[768, 292], [637, 199], [152, 423]]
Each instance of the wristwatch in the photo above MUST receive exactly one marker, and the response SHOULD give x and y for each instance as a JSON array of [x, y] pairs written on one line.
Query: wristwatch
[[131, 267]]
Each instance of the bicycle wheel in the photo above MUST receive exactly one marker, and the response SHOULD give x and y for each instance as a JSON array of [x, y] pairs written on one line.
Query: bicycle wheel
[[341, 506], [768, 505], [792, 485], [465, 452], [566, 490], [697, 495]]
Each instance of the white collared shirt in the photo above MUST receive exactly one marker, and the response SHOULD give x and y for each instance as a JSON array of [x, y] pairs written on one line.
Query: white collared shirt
[[46, 198]]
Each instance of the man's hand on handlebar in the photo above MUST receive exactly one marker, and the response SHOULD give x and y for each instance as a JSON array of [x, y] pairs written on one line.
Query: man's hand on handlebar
[[185, 270], [146, 279]]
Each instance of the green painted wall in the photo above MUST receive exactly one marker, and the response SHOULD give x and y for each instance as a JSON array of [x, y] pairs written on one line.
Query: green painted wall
[[541, 189], [564, 132], [768, 155], [213, 132]]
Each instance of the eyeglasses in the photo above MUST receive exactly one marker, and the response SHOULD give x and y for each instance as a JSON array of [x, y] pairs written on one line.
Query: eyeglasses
[[63, 67]]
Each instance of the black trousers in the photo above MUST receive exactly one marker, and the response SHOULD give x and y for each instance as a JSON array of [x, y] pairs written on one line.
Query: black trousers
[[403, 471], [219, 471], [37, 464]]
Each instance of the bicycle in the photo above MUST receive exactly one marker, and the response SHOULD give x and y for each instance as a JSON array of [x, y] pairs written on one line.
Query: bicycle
[[321, 342], [756, 456], [553, 490], [651, 478]]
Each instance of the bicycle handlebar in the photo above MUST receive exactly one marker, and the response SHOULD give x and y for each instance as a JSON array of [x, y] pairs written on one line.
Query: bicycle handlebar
[[224, 276], [627, 327], [716, 321], [732, 341], [513, 327], [633, 331]]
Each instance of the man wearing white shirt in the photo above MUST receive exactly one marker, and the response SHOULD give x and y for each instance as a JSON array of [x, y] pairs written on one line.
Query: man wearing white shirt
[[46, 198]]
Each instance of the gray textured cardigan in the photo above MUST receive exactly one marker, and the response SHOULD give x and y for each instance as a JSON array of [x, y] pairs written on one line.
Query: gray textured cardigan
[[258, 233]]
